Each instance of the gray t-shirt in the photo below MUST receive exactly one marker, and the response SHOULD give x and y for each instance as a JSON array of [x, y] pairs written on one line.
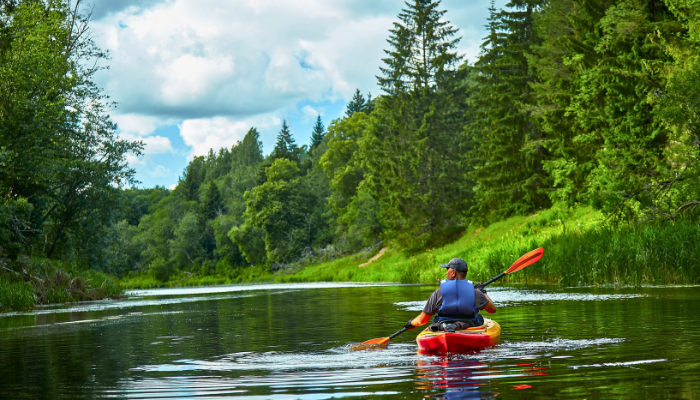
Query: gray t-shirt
[[435, 301]]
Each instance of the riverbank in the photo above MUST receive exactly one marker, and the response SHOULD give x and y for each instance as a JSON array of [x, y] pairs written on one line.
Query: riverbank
[[580, 249], [41, 282]]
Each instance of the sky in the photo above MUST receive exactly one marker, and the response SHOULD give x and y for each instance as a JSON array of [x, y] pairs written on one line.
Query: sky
[[193, 75]]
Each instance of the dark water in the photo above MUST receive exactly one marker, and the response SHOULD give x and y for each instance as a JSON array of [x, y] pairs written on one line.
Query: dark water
[[289, 342]]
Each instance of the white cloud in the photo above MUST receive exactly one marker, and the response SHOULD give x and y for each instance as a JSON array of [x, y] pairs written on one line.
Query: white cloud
[[134, 160], [217, 68], [173, 186], [159, 172], [214, 133], [180, 59], [309, 113], [188, 78], [156, 145], [141, 125]]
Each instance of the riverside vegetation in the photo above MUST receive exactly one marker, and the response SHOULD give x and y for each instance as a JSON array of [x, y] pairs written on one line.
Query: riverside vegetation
[[575, 130]]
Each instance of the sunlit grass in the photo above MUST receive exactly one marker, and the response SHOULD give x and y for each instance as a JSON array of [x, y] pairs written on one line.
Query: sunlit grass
[[488, 252]]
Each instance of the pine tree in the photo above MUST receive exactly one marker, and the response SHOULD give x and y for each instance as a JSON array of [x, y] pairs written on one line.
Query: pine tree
[[411, 151], [357, 104], [506, 152], [318, 133], [213, 203], [369, 105], [423, 52], [194, 176], [285, 147]]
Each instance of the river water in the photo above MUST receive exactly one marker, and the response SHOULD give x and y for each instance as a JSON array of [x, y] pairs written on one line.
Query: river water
[[291, 342]]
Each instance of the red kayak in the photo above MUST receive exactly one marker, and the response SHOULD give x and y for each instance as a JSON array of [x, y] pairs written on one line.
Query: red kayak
[[468, 340]]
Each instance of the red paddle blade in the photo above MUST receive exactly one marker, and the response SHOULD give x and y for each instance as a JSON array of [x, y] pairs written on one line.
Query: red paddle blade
[[374, 343], [528, 259]]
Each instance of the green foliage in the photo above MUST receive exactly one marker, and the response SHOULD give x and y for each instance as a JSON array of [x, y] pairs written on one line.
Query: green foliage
[[342, 162], [571, 102], [16, 294], [505, 151], [362, 219], [411, 157], [58, 148], [15, 227], [161, 270], [279, 207]]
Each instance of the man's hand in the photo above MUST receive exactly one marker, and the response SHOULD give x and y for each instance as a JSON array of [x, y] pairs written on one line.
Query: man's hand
[[409, 324]]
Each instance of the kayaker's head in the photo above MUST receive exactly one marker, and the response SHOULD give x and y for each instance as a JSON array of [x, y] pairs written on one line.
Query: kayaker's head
[[456, 269]]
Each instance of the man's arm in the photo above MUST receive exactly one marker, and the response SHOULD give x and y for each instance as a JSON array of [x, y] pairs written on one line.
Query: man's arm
[[489, 307], [419, 320], [430, 309]]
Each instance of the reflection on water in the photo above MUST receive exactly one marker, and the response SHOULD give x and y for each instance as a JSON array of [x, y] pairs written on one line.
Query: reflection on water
[[290, 342]]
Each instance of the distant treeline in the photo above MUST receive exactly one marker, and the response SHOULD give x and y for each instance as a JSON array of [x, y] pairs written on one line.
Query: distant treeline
[[570, 102]]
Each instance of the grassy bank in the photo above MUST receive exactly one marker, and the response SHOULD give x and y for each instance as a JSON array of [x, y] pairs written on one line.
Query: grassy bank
[[31, 282], [580, 249]]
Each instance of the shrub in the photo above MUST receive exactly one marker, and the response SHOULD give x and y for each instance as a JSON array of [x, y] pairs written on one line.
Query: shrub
[[161, 270]]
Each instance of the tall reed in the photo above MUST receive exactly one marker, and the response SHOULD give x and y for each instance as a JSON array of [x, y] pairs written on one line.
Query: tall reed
[[632, 255]]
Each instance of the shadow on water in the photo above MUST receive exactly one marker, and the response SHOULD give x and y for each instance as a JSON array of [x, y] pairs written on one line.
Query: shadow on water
[[290, 342]]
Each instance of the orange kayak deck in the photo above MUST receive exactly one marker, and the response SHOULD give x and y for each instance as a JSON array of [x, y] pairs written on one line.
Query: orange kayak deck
[[472, 339]]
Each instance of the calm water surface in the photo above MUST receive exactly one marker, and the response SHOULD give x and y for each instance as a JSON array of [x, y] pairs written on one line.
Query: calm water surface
[[290, 342]]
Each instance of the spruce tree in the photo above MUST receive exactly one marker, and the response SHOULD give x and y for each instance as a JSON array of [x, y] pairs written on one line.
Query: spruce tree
[[506, 152], [285, 147], [411, 151], [357, 104], [423, 51], [194, 175], [369, 105], [213, 203], [318, 133]]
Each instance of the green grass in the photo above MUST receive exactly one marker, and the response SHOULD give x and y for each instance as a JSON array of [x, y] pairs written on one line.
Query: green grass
[[14, 295], [488, 252], [146, 281]]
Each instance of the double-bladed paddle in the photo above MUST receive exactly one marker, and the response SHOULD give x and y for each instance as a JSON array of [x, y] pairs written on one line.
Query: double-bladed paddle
[[522, 262]]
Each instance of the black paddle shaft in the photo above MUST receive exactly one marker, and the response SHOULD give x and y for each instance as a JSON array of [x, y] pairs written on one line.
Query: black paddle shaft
[[397, 333], [490, 281]]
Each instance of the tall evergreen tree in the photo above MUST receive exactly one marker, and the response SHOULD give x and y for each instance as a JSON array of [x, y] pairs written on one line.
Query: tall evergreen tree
[[411, 151], [506, 152], [318, 133], [357, 104], [285, 147], [423, 51], [194, 175], [369, 105], [212, 205]]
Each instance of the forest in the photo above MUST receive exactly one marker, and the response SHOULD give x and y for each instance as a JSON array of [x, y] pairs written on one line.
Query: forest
[[570, 103]]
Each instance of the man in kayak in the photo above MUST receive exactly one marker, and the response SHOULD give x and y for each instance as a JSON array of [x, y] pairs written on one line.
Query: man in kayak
[[456, 299]]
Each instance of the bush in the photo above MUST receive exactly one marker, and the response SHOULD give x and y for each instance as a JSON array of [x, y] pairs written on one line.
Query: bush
[[161, 270]]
